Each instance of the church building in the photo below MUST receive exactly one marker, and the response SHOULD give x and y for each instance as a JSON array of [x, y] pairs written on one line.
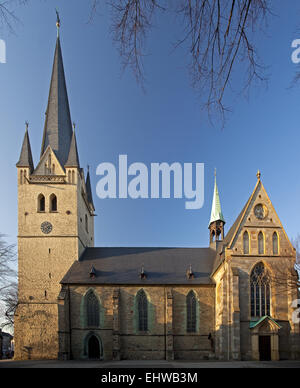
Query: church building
[[229, 301]]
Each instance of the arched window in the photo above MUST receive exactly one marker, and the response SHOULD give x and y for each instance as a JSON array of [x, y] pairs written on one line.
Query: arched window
[[260, 291], [92, 309], [73, 176], [21, 177], [261, 243], [53, 203], [142, 305], [191, 306], [275, 243], [41, 203], [69, 177], [246, 243]]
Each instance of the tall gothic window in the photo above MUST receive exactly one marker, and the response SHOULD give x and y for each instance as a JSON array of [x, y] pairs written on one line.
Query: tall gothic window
[[275, 243], [41, 203], [191, 305], [246, 243], [53, 203], [92, 309], [261, 243], [142, 304], [260, 291]]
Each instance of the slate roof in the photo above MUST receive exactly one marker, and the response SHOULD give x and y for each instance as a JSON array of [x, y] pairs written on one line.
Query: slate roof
[[25, 159], [58, 127], [89, 190], [124, 265], [73, 158]]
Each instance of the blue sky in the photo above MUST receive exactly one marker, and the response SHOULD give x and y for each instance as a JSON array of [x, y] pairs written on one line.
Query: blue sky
[[165, 124]]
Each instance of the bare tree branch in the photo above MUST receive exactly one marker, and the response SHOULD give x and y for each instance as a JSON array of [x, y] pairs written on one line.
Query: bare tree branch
[[220, 34], [8, 284], [7, 13], [10, 300], [131, 20]]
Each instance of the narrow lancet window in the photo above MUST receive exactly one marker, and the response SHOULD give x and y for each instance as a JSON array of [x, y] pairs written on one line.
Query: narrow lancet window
[[246, 243], [275, 244], [142, 304], [261, 243], [191, 307], [92, 310]]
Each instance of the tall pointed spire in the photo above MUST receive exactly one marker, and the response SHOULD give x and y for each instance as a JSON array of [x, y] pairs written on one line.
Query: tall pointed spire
[[25, 159], [58, 128], [216, 211]]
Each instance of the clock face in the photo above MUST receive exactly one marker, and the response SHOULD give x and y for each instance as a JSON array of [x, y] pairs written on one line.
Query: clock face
[[46, 227], [260, 211]]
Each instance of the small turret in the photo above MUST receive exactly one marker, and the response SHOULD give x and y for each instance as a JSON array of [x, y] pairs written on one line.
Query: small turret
[[217, 221], [25, 159]]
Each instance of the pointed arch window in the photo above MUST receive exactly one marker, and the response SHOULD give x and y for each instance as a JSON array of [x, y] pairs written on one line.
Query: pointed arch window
[[275, 243], [92, 310], [41, 203], [191, 308], [246, 241], [142, 305], [261, 243], [53, 203], [260, 291]]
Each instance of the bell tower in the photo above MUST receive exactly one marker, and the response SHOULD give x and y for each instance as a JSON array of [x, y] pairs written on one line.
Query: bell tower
[[55, 221], [217, 222]]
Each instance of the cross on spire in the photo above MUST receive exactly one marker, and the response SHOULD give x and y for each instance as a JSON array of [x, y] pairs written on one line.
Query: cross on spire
[[57, 22]]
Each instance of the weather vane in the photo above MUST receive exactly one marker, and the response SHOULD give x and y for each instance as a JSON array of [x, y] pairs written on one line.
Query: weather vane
[[26, 124], [57, 21]]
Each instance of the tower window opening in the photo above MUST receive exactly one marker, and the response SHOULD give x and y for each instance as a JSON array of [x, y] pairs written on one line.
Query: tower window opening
[[53, 203], [41, 203]]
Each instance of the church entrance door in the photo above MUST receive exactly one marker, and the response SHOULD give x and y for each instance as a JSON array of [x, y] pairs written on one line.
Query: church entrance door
[[93, 348], [265, 348]]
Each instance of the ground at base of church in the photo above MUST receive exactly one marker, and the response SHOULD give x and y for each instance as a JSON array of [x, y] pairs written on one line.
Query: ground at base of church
[[147, 364]]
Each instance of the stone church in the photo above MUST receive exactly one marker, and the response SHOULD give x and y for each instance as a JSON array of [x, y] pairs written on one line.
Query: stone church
[[77, 301]]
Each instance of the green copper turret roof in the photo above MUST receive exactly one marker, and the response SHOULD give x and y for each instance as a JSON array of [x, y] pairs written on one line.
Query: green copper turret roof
[[216, 211]]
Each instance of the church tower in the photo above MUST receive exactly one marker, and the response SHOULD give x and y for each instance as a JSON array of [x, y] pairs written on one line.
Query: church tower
[[217, 222], [55, 222]]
